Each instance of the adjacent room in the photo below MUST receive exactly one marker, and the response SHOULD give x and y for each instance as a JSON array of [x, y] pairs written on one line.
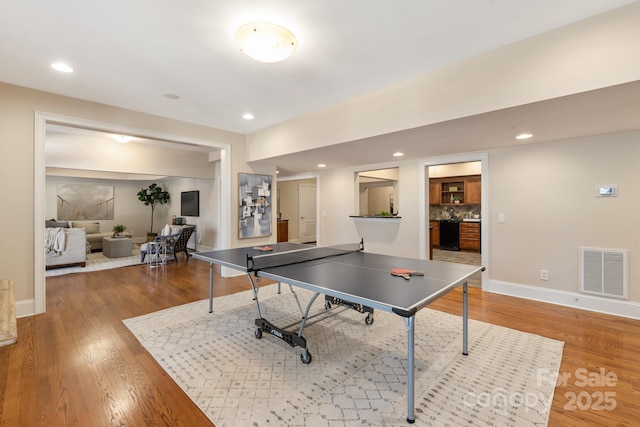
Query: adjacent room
[[333, 214]]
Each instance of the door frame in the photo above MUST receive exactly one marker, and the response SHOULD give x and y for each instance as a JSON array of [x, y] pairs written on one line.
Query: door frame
[[299, 217], [306, 176], [423, 202], [39, 178]]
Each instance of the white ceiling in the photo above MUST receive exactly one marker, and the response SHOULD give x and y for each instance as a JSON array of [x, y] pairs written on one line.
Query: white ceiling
[[131, 53]]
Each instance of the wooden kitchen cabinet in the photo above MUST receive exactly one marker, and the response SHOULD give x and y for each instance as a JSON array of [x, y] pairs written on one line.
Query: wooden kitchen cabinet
[[472, 190], [470, 236], [435, 233], [283, 230], [434, 192], [466, 189]]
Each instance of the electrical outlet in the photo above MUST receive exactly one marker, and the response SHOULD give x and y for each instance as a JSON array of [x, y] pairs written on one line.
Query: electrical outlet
[[544, 274]]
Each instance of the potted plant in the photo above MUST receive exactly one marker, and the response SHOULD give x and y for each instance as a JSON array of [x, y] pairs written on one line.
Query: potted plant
[[118, 229], [152, 196]]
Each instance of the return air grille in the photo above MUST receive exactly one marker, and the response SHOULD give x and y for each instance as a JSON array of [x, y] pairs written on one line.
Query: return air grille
[[604, 272]]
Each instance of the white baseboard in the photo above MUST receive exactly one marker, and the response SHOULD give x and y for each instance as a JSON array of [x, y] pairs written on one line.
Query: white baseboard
[[25, 308], [568, 299]]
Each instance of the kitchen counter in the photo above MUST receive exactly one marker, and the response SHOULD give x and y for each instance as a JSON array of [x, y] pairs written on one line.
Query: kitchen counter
[[474, 220]]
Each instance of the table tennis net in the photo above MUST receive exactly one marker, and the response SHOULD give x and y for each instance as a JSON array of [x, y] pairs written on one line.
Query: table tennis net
[[281, 259]]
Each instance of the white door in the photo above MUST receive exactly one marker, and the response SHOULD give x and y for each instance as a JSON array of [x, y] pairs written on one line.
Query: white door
[[307, 213]]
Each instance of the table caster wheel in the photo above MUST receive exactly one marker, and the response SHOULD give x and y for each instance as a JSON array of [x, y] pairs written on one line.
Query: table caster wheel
[[369, 319], [258, 333], [327, 305], [305, 357]]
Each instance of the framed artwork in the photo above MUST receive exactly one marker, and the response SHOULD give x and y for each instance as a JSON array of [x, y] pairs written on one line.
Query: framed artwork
[[77, 202], [254, 218]]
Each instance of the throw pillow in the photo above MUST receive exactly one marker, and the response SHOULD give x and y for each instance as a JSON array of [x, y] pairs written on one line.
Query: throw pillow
[[52, 223], [89, 227], [166, 230]]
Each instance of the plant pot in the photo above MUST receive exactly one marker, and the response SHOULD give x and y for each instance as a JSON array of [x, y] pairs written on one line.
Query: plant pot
[[151, 237]]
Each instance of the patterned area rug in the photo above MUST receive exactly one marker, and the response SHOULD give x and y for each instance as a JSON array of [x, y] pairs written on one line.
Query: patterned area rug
[[358, 372], [97, 261]]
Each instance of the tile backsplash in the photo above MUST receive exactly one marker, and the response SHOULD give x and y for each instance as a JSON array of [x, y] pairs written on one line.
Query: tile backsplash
[[438, 212]]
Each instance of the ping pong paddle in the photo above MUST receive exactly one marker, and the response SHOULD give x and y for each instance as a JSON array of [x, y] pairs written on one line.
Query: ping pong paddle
[[406, 273], [263, 248]]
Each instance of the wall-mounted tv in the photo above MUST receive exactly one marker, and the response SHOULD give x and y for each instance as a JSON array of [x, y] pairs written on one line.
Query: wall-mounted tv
[[190, 203]]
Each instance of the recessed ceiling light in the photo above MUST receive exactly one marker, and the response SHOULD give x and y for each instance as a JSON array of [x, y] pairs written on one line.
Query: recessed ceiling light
[[62, 67], [247, 116], [322, 165], [171, 96], [524, 136], [398, 154], [266, 42], [122, 138]]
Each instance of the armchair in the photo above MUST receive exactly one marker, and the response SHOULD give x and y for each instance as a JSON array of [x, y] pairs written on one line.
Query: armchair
[[174, 243]]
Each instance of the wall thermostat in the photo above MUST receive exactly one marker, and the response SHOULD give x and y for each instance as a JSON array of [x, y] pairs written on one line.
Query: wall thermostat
[[609, 190]]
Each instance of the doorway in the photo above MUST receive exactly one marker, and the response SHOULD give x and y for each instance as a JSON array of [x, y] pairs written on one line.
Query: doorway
[[456, 204], [41, 121], [307, 208], [298, 207]]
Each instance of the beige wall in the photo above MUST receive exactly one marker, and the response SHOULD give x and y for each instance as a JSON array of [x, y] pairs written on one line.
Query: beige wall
[[127, 209], [547, 192], [339, 199], [17, 111], [592, 54], [68, 151]]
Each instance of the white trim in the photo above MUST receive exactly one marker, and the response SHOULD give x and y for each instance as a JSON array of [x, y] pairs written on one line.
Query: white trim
[[299, 177], [613, 307], [25, 308], [39, 288], [40, 123]]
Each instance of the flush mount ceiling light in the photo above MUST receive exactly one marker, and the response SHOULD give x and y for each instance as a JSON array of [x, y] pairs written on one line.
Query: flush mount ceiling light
[[398, 154], [247, 116], [524, 136], [266, 42]]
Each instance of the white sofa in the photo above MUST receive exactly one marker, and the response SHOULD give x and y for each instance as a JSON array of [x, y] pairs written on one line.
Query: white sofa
[[75, 252]]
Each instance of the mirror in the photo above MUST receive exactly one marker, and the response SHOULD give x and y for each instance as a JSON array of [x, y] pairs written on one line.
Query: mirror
[[378, 192]]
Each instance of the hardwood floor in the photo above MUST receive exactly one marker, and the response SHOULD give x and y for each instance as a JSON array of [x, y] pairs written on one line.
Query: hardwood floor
[[78, 365]]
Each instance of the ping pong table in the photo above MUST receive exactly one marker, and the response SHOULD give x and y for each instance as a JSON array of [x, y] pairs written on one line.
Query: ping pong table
[[346, 275]]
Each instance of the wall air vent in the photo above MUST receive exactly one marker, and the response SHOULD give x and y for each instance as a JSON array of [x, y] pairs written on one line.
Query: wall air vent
[[604, 272]]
